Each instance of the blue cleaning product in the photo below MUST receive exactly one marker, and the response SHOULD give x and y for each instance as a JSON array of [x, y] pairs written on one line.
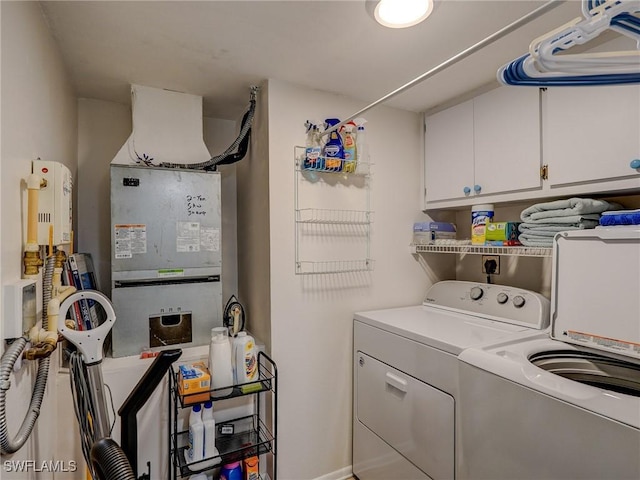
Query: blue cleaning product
[[333, 149]]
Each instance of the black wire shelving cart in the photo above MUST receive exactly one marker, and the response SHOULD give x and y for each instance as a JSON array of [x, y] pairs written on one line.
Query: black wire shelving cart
[[236, 439]]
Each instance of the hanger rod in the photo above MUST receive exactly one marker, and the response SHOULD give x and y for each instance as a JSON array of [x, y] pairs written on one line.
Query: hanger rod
[[456, 58]]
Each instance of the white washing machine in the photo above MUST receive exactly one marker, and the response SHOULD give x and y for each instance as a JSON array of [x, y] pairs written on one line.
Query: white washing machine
[[406, 374], [566, 405]]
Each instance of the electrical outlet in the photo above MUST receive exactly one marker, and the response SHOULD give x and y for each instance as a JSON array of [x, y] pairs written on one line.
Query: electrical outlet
[[491, 264]]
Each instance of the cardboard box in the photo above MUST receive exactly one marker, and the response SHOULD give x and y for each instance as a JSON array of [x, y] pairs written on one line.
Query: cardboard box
[[194, 383], [501, 231], [426, 233]]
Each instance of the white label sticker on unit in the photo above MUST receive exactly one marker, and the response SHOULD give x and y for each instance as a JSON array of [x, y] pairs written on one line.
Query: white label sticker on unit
[[210, 239], [170, 272], [188, 237], [130, 240]]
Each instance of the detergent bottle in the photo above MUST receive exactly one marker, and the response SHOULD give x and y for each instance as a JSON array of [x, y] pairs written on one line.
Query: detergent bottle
[[195, 450], [246, 363], [210, 450], [220, 362], [333, 149]]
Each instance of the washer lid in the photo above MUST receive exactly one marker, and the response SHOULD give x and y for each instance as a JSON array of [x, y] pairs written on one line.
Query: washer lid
[[441, 329], [595, 290]]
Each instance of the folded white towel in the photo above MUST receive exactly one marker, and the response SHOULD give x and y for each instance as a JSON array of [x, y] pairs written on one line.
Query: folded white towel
[[559, 210], [535, 240], [552, 228]]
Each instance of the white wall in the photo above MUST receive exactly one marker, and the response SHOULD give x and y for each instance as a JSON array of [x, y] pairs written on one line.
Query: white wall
[[103, 127], [218, 135], [311, 316], [38, 120]]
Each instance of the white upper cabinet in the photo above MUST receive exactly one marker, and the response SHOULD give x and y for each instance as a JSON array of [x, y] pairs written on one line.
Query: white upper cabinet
[[449, 153], [506, 139], [485, 146], [591, 134]]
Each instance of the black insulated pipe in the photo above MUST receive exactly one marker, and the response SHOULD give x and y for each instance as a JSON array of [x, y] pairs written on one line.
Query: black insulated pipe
[[136, 400], [242, 148]]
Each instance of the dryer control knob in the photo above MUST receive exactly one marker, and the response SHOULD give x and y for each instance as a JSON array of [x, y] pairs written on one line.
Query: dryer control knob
[[502, 298], [476, 293], [518, 301]]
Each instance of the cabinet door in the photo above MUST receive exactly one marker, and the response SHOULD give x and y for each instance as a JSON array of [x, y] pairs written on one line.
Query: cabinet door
[[449, 153], [507, 140], [591, 134]]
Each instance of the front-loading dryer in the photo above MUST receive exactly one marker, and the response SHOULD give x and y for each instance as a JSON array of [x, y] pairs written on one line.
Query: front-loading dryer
[[564, 405], [406, 374]]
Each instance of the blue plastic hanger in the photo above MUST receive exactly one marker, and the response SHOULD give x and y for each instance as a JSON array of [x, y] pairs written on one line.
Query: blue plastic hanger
[[544, 66]]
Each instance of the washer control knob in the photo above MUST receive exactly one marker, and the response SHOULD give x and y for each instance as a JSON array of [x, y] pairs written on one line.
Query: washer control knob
[[518, 301], [502, 298], [476, 293]]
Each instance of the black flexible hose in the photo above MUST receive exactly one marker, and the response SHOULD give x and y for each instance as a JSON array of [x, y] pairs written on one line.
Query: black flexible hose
[[109, 461], [227, 157], [242, 148]]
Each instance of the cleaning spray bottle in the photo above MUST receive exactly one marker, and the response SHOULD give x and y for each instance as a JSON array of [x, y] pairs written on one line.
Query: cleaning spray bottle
[[362, 151], [350, 148], [333, 149], [313, 147]]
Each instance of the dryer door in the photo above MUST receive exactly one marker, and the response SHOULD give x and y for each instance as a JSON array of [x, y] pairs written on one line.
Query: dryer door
[[414, 418]]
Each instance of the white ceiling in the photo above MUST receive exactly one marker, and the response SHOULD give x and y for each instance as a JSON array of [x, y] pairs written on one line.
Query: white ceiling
[[217, 49]]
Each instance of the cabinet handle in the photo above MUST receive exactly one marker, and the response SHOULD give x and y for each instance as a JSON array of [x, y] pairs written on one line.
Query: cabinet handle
[[466, 190], [477, 188], [635, 164]]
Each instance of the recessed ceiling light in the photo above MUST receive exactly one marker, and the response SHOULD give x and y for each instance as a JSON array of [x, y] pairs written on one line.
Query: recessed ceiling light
[[402, 13]]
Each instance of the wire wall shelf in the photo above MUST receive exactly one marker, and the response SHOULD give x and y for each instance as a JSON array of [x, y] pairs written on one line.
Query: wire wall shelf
[[333, 217], [332, 165], [335, 266], [484, 250], [332, 240]]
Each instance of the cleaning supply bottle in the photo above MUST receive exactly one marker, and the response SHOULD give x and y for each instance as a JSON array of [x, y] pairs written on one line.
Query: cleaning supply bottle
[[220, 362], [350, 149], [195, 450], [360, 144], [246, 363], [313, 148], [333, 149], [251, 468], [209, 423], [231, 471]]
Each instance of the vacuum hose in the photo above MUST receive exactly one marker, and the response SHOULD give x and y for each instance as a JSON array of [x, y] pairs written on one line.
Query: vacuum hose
[[109, 461], [9, 358]]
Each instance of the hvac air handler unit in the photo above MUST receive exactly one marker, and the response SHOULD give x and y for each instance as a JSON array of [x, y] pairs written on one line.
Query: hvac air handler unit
[[165, 257]]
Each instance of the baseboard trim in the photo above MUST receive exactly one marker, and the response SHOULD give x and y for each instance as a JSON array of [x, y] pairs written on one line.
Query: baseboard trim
[[342, 474]]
